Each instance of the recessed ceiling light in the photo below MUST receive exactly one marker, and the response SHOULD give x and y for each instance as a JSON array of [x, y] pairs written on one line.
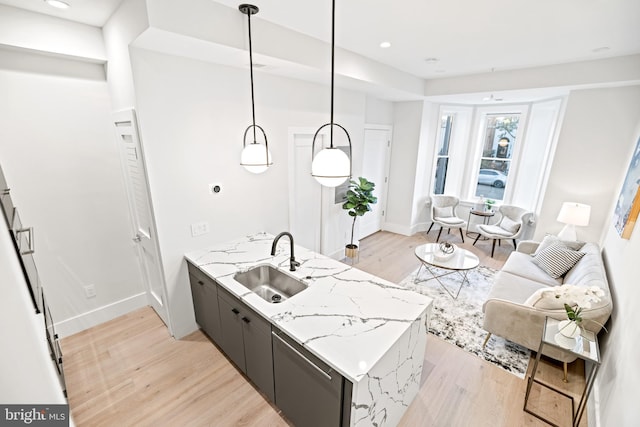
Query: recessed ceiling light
[[385, 45], [57, 4]]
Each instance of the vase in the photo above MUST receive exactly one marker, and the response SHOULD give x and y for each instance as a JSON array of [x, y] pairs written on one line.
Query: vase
[[569, 328]]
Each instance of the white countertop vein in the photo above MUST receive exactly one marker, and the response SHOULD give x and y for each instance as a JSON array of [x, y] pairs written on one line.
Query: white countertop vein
[[346, 317]]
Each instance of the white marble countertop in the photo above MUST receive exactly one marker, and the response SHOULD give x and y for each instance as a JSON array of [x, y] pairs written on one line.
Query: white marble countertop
[[346, 317]]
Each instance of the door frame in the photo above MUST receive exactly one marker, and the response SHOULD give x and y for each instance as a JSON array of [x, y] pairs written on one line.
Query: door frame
[[291, 140], [387, 167], [129, 116]]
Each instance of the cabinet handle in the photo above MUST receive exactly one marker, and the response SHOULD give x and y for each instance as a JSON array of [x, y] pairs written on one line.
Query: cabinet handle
[[302, 356], [200, 282], [246, 320], [235, 310]]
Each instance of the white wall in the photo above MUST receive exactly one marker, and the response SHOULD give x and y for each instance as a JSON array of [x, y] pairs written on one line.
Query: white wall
[[60, 159], [192, 117], [127, 22], [593, 140], [402, 172], [617, 382], [378, 111], [34, 31]]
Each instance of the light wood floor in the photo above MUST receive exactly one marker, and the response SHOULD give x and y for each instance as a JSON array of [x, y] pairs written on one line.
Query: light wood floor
[[131, 372]]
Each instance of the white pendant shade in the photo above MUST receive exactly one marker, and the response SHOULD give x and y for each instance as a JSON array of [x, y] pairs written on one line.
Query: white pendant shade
[[256, 158], [331, 167]]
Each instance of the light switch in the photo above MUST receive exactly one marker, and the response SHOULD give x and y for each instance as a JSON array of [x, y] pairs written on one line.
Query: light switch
[[199, 228]]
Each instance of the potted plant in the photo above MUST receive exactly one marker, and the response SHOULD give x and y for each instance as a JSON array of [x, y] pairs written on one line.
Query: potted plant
[[359, 200]]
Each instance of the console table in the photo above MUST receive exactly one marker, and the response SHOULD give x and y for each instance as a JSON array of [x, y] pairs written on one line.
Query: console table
[[584, 347]]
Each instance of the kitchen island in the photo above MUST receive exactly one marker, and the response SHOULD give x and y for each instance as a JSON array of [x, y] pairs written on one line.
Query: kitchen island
[[371, 331]]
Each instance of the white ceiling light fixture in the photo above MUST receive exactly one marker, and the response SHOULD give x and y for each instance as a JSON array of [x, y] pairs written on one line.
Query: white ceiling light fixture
[[385, 45], [255, 157], [58, 4], [492, 99], [331, 166]]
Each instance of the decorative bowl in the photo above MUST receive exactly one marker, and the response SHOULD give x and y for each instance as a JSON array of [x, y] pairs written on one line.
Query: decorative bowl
[[445, 251]]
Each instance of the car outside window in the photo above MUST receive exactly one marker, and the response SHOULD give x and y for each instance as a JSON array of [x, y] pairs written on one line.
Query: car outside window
[[499, 139]]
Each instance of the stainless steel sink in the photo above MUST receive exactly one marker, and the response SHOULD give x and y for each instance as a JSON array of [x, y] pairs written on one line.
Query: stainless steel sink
[[269, 283]]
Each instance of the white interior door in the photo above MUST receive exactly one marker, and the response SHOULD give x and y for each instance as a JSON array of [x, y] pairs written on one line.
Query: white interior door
[[375, 167], [306, 197], [144, 233]]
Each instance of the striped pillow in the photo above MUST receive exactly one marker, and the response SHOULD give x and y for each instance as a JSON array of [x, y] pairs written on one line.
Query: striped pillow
[[556, 259]]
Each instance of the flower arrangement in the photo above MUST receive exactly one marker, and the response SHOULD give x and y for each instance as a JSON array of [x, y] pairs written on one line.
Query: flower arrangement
[[577, 298]]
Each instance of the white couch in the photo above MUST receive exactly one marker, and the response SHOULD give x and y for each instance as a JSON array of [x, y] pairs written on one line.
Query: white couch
[[509, 312]]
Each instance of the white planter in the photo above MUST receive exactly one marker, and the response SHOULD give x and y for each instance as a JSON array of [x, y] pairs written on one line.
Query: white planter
[[569, 328]]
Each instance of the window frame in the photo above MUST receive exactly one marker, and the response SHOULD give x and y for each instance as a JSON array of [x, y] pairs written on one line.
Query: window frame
[[474, 159]]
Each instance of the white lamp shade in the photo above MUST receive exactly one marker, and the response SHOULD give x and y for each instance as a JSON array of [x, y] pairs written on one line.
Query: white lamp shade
[[331, 167], [575, 214], [256, 158]]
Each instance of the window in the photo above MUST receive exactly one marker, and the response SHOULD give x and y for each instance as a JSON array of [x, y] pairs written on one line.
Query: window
[[497, 148], [442, 156]]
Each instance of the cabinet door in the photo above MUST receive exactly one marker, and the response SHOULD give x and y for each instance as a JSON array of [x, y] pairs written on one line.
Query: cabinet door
[[232, 343], [307, 390], [256, 333], [205, 303]]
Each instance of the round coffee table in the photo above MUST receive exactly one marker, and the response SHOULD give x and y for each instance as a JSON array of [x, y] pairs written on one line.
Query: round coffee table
[[461, 262]]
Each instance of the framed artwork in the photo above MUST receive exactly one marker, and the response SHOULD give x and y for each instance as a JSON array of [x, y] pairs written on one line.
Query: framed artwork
[[628, 206]]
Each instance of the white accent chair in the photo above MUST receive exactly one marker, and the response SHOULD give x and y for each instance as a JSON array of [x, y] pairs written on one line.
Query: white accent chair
[[443, 213], [510, 226]]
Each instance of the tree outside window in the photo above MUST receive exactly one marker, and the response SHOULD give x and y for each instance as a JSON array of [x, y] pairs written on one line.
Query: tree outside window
[[499, 140]]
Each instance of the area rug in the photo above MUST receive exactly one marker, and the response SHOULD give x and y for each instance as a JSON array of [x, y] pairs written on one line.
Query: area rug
[[459, 321]]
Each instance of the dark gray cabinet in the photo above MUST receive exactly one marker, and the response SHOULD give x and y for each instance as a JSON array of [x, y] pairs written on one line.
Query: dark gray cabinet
[[246, 340], [308, 391], [204, 292]]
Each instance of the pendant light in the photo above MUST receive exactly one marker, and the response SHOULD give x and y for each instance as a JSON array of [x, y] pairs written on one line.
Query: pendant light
[[331, 166], [255, 157]]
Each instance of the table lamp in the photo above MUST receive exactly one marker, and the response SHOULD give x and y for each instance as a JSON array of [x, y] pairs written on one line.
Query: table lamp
[[572, 214]]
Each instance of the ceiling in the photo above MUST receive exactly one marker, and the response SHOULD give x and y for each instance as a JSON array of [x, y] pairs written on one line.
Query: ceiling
[[435, 39]]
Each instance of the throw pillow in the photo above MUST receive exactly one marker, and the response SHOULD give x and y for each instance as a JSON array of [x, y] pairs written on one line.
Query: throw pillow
[[545, 299], [550, 239], [445, 212], [557, 259], [511, 226]]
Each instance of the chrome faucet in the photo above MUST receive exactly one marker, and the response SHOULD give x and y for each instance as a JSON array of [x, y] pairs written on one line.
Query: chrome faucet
[[292, 260]]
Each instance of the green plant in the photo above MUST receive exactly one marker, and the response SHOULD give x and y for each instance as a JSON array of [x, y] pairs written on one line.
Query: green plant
[[573, 314], [359, 200]]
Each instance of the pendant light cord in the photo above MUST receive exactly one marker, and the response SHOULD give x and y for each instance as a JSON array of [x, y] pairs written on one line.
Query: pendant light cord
[[333, 36], [253, 107]]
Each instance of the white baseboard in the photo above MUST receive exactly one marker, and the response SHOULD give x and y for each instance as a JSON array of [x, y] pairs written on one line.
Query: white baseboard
[[397, 228], [100, 315], [404, 230]]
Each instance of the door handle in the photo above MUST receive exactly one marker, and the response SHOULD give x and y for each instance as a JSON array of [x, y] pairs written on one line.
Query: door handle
[[137, 238], [30, 241]]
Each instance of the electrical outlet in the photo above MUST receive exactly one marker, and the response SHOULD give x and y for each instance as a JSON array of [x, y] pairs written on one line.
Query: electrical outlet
[[90, 291], [199, 228]]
